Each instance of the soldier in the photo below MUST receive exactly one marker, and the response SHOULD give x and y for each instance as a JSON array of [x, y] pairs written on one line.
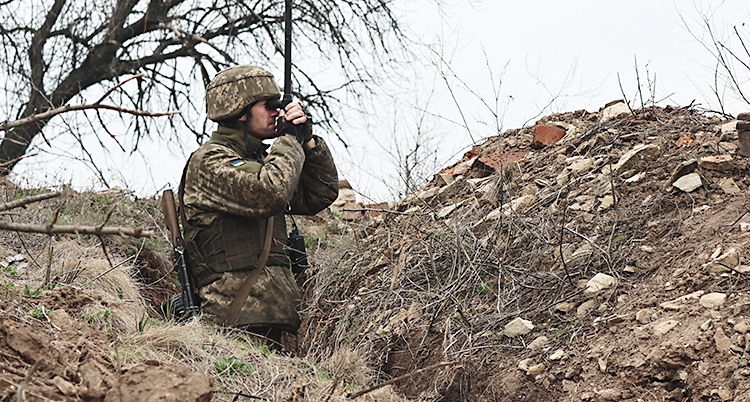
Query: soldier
[[234, 193]]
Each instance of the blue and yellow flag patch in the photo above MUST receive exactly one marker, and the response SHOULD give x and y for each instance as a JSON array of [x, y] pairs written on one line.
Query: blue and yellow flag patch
[[237, 163]]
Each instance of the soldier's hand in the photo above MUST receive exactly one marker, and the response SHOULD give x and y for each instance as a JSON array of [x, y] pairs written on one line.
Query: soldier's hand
[[295, 130], [294, 113]]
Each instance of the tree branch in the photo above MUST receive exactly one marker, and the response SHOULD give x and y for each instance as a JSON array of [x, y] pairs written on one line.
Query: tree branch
[[75, 229]]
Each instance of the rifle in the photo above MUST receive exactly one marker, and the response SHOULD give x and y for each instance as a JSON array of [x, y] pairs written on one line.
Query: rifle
[[185, 304]]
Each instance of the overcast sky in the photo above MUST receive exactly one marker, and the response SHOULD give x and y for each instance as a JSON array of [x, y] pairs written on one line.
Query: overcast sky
[[542, 57]]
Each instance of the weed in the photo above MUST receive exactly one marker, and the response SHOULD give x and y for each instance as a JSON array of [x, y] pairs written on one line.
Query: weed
[[482, 287], [323, 376], [234, 367], [11, 270], [32, 294], [267, 351], [40, 312], [100, 316]]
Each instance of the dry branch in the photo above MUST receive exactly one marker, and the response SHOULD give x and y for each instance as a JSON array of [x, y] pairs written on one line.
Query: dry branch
[[28, 200], [403, 377], [75, 229], [7, 125]]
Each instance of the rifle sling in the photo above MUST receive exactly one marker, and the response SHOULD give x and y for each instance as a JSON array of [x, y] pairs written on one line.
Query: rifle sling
[[244, 292]]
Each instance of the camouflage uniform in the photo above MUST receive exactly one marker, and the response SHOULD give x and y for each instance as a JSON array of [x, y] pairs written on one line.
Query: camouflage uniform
[[228, 197]]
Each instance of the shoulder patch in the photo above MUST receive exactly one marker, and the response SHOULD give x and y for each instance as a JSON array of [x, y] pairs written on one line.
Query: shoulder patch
[[237, 163]]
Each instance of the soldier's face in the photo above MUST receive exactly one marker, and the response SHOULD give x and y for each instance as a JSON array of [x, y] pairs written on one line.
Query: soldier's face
[[262, 122]]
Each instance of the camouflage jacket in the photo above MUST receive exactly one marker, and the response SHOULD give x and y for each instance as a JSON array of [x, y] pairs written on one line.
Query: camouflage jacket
[[222, 178], [227, 195]]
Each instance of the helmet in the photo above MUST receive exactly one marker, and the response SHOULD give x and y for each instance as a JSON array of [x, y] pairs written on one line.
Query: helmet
[[237, 87]]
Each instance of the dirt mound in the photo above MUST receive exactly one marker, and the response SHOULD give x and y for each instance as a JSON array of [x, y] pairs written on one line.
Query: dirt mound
[[578, 271], [67, 358], [607, 265]]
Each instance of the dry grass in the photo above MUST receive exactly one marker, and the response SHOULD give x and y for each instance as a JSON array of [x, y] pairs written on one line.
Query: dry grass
[[240, 363]]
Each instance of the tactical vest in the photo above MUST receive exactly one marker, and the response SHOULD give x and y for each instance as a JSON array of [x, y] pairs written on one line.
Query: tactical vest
[[233, 243]]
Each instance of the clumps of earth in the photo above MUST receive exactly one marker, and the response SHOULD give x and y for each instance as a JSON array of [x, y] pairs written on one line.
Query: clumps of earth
[[595, 256]]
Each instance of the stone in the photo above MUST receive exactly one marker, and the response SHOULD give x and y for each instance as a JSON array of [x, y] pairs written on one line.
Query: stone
[[688, 183], [663, 327], [643, 316], [744, 227], [534, 371], [517, 204], [730, 258], [538, 343], [547, 135], [446, 178], [727, 147], [729, 127], [713, 300], [723, 343], [609, 394], [681, 301], [558, 355], [345, 202], [605, 202], [636, 177], [518, 327], [628, 160], [742, 327], [67, 388], [445, 211], [682, 169], [717, 162], [716, 253], [723, 394], [614, 109], [729, 186], [584, 308], [743, 269], [523, 365], [743, 116], [464, 166], [598, 283], [723, 263], [565, 307], [580, 164]]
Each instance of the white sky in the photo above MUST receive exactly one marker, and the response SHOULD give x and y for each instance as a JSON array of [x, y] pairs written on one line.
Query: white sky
[[543, 50]]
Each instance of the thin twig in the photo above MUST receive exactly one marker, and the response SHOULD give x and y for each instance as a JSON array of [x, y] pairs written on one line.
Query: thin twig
[[111, 269], [401, 378], [241, 394], [562, 255]]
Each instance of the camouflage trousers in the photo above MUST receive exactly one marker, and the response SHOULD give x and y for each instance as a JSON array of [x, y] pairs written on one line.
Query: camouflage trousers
[[271, 305]]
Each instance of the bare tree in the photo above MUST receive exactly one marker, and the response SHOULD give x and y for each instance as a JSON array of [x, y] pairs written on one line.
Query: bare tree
[[731, 51], [54, 50]]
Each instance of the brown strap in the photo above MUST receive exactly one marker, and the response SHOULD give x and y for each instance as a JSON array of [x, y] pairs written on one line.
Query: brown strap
[[244, 292]]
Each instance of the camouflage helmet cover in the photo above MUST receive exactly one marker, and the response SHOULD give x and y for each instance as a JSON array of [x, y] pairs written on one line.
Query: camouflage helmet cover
[[237, 87]]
